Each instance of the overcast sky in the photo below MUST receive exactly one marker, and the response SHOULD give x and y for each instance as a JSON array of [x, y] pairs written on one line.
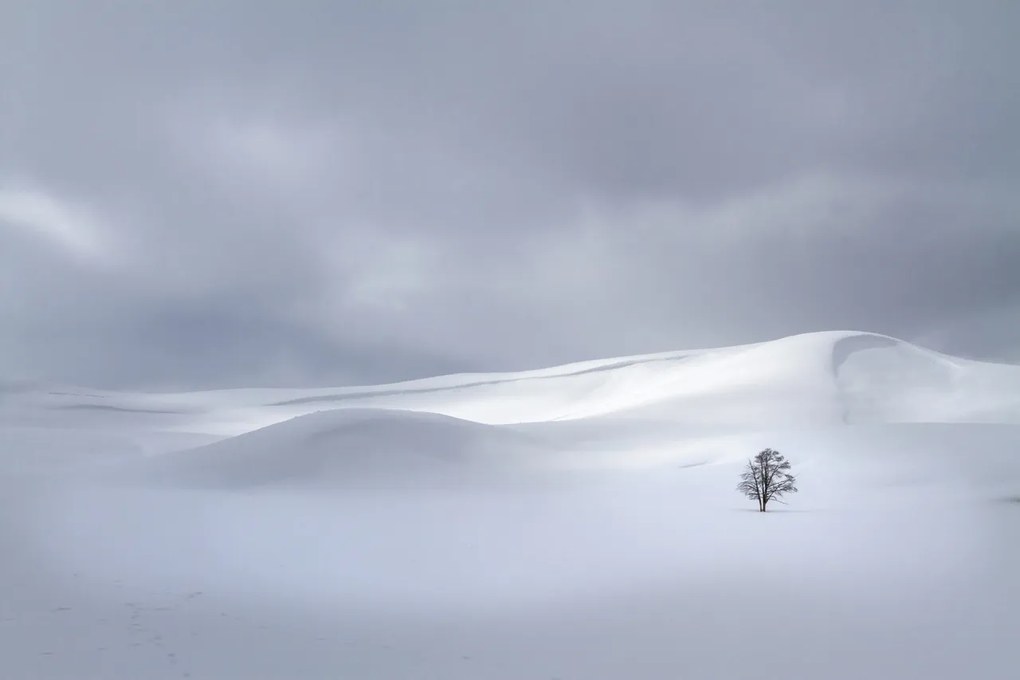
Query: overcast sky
[[242, 192]]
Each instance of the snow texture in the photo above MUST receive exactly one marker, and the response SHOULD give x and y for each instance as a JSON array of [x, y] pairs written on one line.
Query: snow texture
[[572, 522]]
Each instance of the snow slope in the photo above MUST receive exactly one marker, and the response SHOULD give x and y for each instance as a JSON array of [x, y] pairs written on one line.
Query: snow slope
[[570, 522], [348, 446], [810, 379]]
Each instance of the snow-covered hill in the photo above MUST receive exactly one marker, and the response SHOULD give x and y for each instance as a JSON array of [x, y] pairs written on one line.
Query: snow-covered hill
[[575, 521], [811, 379], [348, 447]]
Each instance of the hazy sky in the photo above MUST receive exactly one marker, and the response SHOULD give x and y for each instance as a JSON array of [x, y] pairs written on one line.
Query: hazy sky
[[242, 192]]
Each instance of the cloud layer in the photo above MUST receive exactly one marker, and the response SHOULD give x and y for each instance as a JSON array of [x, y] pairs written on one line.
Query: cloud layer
[[211, 194]]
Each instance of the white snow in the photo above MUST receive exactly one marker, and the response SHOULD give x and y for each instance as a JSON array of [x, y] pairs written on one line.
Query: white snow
[[571, 522]]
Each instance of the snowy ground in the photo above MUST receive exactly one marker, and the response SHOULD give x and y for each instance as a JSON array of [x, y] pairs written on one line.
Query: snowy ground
[[577, 522]]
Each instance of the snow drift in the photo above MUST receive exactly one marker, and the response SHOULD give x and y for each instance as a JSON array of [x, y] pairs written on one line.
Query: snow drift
[[348, 447]]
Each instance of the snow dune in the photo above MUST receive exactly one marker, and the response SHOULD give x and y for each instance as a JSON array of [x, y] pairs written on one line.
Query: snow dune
[[349, 446], [628, 412], [811, 379]]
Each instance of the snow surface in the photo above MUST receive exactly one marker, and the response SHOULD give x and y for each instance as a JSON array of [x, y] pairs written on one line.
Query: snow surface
[[571, 522]]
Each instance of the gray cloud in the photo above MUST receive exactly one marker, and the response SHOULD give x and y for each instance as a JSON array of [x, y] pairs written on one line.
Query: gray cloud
[[204, 194]]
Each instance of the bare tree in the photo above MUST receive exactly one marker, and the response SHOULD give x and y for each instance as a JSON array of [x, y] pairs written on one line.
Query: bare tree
[[767, 477]]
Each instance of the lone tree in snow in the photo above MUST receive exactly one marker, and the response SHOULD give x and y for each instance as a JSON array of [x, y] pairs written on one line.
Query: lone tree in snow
[[767, 477]]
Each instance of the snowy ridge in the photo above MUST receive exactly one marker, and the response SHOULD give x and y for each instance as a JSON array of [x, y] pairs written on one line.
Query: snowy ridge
[[629, 411], [816, 378]]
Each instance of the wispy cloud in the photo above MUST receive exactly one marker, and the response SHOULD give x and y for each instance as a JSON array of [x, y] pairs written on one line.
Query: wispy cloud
[[65, 226]]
